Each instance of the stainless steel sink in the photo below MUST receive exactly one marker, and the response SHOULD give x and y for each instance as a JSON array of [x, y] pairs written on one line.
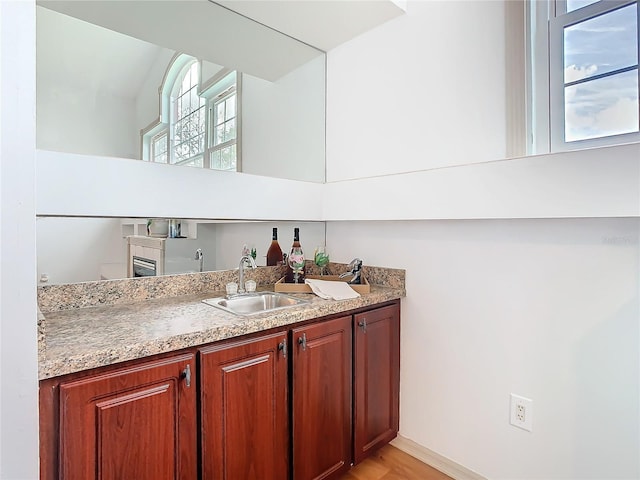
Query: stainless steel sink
[[254, 303]]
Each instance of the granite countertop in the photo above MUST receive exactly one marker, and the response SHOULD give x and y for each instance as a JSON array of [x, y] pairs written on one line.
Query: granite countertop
[[78, 339]]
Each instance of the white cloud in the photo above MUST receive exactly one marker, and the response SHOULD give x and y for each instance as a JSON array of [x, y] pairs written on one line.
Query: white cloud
[[620, 117], [585, 28], [573, 73]]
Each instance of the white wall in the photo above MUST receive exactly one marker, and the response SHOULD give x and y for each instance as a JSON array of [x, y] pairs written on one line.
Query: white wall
[[18, 335], [148, 99], [424, 90], [71, 250], [601, 182], [85, 121], [547, 309], [81, 107], [150, 190], [283, 124]]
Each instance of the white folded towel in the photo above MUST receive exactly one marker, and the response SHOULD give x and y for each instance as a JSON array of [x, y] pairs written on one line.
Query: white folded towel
[[331, 290]]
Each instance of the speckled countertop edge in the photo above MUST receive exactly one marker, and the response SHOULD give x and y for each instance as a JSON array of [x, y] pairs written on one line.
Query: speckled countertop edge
[[79, 339]]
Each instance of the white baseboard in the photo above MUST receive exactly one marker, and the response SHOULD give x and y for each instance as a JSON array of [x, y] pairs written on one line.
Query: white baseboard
[[435, 460]]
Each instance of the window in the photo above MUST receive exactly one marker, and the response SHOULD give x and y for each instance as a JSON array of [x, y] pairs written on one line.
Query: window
[[160, 147], [223, 118], [187, 120], [223, 151], [592, 63], [198, 122]]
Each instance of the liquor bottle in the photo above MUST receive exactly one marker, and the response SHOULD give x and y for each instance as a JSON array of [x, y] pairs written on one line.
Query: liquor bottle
[[295, 260], [274, 254]]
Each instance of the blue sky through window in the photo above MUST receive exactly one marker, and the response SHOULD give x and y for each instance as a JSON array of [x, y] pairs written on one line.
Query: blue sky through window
[[607, 44], [576, 4]]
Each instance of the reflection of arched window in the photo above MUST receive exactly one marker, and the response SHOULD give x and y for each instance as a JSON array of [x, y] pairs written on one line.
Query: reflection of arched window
[[187, 126], [198, 121]]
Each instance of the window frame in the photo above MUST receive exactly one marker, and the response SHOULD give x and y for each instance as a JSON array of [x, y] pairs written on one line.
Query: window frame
[[546, 21]]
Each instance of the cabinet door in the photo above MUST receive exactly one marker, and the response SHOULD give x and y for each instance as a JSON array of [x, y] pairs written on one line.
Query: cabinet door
[[245, 426], [376, 379], [322, 399], [135, 423]]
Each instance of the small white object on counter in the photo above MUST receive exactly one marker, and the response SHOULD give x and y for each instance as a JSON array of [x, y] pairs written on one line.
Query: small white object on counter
[[331, 290], [232, 288]]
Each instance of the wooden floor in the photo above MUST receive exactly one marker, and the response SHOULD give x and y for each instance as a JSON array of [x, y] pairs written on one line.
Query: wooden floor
[[389, 463]]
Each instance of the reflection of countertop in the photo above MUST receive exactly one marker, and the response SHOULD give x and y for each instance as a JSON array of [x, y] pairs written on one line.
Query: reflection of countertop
[[82, 338]]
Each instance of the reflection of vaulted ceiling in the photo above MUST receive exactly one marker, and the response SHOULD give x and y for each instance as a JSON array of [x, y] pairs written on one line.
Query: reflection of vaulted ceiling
[[213, 31], [324, 24], [198, 27], [75, 53]]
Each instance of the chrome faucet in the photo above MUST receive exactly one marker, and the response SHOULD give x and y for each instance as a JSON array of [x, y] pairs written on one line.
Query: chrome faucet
[[243, 261]]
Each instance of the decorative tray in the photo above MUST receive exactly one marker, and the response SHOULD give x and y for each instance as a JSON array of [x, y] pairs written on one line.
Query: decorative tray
[[281, 286]]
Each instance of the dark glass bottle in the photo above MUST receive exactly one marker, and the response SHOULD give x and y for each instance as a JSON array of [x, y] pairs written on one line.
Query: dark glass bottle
[[274, 254], [295, 259]]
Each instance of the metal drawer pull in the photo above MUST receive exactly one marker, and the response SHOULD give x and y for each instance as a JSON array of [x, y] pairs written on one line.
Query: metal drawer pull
[[282, 346], [303, 341], [363, 325], [186, 374]]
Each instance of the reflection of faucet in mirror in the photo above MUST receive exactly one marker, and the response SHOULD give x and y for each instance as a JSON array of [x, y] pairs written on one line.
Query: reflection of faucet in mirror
[[200, 256], [243, 262]]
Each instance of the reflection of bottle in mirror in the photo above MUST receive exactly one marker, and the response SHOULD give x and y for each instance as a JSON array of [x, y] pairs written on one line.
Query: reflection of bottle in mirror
[[274, 254], [295, 263]]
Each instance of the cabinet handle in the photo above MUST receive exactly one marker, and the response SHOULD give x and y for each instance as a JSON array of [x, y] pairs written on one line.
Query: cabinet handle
[[186, 374], [303, 341], [282, 346], [363, 325]]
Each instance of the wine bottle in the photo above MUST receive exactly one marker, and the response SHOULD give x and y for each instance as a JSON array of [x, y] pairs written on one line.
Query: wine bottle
[[274, 254], [295, 261]]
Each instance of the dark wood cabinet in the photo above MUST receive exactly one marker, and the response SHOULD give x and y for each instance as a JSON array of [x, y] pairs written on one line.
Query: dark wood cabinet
[[135, 422], [376, 379], [244, 409], [321, 399]]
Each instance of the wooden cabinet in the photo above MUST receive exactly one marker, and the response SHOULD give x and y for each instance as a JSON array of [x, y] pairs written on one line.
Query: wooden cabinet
[[133, 422], [321, 399], [376, 379], [244, 409], [245, 404]]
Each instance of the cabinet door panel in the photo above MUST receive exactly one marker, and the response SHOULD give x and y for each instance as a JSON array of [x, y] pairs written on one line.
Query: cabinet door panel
[[322, 399], [377, 379], [138, 422], [124, 435], [244, 410]]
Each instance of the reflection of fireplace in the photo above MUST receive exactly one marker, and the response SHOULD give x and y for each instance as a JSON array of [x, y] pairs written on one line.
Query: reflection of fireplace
[[143, 267], [150, 256]]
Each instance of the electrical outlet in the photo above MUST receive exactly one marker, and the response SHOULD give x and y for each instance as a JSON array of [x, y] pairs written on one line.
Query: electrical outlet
[[521, 412]]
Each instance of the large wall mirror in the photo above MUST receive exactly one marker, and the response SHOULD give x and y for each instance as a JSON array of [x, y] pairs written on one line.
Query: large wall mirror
[[81, 249], [101, 67]]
